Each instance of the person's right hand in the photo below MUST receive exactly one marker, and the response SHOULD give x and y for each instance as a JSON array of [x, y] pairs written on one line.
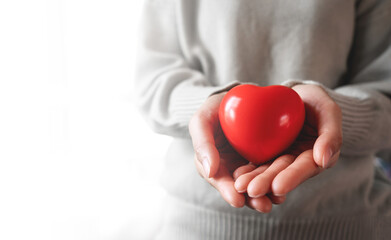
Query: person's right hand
[[216, 160]]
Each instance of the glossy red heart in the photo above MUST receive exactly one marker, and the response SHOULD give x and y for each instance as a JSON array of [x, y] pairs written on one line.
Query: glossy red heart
[[261, 122]]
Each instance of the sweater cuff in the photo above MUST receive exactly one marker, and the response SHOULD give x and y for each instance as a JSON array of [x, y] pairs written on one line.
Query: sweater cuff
[[187, 98], [361, 117]]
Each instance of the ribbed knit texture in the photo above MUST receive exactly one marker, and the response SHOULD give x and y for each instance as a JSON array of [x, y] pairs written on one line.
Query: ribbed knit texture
[[184, 105], [190, 49], [362, 117], [358, 115], [188, 222]]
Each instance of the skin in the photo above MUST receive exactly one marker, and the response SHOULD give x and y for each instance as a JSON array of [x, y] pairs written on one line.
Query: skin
[[239, 183]]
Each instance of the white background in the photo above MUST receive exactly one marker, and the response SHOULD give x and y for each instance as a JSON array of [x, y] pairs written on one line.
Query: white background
[[76, 159]]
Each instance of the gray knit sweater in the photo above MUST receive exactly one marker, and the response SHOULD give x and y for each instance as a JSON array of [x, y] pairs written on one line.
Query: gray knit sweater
[[191, 49]]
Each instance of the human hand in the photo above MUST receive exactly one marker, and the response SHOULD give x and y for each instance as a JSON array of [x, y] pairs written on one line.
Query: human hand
[[316, 148], [215, 159]]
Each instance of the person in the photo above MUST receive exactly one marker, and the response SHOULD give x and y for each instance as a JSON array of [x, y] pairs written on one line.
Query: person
[[335, 54]]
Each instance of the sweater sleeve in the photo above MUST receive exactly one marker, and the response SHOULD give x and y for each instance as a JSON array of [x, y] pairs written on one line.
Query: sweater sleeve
[[366, 117], [366, 109], [167, 87]]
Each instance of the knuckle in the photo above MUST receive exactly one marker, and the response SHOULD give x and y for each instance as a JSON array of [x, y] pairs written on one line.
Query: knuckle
[[207, 115], [201, 118], [333, 107]]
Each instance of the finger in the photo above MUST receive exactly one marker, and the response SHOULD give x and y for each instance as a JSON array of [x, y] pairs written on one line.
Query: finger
[[243, 170], [300, 170], [261, 184], [224, 183], [276, 199], [262, 204], [242, 181], [326, 150], [201, 129], [326, 115], [328, 144]]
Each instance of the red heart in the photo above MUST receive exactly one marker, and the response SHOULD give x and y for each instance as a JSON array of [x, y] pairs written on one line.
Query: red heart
[[261, 122]]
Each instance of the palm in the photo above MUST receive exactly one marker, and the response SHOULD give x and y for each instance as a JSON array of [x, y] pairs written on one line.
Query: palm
[[305, 141], [229, 158]]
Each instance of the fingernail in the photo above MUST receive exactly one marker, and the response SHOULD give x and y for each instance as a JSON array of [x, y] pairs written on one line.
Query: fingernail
[[279, 194], [206, 166], [257, 196], [326, 159]]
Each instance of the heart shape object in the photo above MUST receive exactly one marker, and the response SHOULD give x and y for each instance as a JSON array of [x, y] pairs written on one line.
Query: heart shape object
[[261, 122]]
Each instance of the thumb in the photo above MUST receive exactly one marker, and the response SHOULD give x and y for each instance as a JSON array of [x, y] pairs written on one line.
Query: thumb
[[202, 128], [329, 123], [324, 113], [208, 156]]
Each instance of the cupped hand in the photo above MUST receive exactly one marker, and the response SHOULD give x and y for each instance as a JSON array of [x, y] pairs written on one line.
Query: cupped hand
[[215, 159], [316, 149]]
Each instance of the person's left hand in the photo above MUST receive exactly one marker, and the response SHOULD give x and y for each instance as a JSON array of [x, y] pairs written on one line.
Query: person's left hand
[[316, 149]]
